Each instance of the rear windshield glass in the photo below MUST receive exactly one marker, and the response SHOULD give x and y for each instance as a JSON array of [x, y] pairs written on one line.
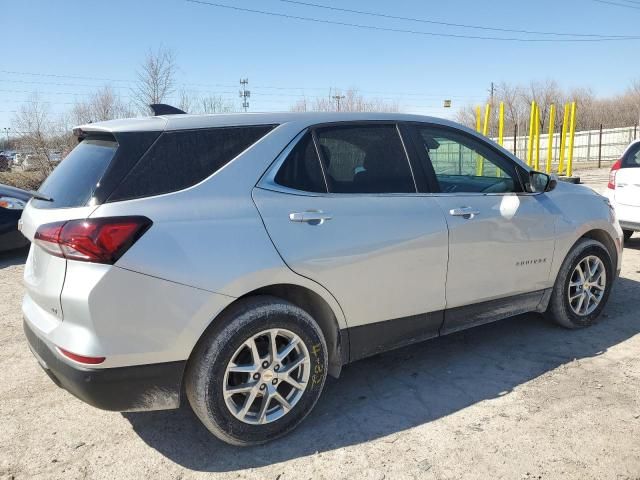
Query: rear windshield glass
[[632, 158], [73, 182], [180, 159]]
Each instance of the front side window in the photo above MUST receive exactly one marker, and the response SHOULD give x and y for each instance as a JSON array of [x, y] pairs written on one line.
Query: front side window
[[463, 164], [364, 159]]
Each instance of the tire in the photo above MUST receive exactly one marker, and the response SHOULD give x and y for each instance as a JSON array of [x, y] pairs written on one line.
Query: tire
[[230, 338], [560, 309], [627, 234]]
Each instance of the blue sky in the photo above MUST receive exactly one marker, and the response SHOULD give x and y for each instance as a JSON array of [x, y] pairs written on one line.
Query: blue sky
[[215, 46]]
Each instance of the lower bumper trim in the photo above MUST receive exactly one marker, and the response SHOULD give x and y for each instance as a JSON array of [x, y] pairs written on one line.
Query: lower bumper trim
[[140, 387], [635, 226]]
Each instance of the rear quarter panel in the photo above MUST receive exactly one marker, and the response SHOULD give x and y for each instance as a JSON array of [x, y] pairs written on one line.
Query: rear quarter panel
[[211, 236]]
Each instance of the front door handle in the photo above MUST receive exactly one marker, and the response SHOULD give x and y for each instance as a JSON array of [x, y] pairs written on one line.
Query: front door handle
[[314, 217], [466, 212]]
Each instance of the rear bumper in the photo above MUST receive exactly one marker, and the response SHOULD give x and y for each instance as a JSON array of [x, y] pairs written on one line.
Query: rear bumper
[[626, 225], [135, 388]]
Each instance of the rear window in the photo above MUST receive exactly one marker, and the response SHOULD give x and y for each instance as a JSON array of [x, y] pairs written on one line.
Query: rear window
[[74, 181], [632, 158], [180, 159]]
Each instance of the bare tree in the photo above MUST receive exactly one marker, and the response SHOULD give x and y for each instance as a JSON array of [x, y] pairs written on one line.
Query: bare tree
[[348, 101], [104, 104], [215, 104], [156, 78], [38, 134]]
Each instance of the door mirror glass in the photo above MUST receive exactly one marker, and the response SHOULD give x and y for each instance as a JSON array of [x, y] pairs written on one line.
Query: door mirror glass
[[540, 182]]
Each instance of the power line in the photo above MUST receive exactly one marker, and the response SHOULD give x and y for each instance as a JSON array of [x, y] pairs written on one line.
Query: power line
[[459, 25], [399, 30], [388, 95], [77, 77], [609, 3]]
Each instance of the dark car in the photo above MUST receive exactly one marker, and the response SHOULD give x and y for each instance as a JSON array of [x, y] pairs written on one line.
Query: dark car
[[12, 202]]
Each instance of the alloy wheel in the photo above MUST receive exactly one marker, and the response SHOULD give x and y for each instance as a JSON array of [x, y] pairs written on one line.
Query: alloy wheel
[[266, 376]]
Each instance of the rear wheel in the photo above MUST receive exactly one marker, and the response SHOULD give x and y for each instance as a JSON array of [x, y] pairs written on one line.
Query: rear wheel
[[627, 234], [583, 285], [259, 373]]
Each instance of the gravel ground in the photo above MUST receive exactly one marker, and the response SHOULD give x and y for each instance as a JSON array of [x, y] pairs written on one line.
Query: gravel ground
[[519, 398]]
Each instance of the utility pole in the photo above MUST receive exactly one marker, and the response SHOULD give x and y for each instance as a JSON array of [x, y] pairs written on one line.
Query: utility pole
[[244, 93], [337, 98], [492, 91], [6, 144]]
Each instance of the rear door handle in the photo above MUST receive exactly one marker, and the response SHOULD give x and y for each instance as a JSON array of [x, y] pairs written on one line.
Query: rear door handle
[[466, 212], [310, 216]]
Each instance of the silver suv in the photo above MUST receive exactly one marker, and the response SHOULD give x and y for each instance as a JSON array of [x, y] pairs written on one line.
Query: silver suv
[[235, 261]]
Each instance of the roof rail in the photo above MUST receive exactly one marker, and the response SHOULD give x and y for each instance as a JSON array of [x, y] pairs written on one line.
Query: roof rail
[[164, 109]]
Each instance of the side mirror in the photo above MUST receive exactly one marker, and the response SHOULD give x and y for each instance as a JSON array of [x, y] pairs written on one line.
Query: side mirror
[[541, 182]]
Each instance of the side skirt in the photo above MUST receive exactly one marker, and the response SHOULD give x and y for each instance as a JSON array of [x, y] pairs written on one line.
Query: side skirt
[[374, 338]]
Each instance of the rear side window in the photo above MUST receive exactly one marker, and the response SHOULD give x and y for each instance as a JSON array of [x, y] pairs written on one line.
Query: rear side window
[[301, 169], [365, 159], [73, 182], [180, 159]]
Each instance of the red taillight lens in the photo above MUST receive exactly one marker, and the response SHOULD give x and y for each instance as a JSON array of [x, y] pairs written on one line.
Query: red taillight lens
[[98, 240], [81, 358], [612, 174]]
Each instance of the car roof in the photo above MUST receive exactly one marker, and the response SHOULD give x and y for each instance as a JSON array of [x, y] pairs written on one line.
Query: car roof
[[187, 121]]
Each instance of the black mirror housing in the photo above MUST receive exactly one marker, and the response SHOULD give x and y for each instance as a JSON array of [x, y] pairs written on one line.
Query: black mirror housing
[[541, 182]]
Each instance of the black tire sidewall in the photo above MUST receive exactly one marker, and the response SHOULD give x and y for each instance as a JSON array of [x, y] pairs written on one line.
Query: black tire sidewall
[[579, 321], [275, 315]]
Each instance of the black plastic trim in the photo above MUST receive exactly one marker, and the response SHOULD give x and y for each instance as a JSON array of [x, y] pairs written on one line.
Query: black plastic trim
[[461, 318], [373, 338], [140, 387]]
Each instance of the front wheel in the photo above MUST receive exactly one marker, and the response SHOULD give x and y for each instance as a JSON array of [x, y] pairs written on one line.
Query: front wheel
[[627, 235], [583, 285], [259, 372]]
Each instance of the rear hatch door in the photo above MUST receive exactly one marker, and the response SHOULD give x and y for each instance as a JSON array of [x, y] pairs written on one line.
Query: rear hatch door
[[628, 186], [71, 187], [628, 177]]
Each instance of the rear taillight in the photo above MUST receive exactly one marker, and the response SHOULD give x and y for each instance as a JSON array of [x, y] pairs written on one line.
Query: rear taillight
[[98, 240], [612, 174]]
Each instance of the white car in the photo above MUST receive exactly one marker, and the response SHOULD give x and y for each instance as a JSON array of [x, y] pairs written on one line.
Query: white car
[[234, 261], [623, 189]]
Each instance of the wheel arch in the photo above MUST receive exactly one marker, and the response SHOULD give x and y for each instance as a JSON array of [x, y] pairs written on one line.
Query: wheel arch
[[604, 238], [315, 305]]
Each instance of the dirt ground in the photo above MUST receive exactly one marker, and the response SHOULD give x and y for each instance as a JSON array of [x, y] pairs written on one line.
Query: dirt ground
[[518, 399]]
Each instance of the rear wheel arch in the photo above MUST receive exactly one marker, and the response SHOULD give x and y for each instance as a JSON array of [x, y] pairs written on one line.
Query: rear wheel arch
[[314, 305], [321, 312]]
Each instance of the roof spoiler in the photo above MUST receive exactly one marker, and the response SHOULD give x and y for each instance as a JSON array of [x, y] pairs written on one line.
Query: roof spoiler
[[164, 109]]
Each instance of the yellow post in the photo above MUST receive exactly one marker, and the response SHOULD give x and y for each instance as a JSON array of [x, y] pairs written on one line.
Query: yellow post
[[536, 164], [530, 146], [500, 133], [563, 139], [485, 132], [478, 115], [552, 121], [572, 135]]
